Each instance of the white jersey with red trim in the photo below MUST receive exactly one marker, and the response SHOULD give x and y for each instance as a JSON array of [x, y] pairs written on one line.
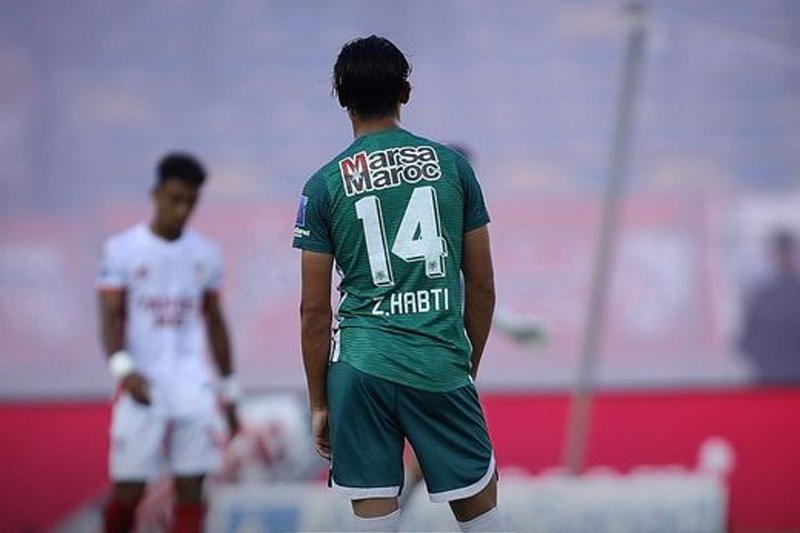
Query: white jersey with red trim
[[164, 283]]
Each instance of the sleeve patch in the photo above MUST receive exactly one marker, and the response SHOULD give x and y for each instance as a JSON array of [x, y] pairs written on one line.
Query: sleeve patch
[[300, 219]]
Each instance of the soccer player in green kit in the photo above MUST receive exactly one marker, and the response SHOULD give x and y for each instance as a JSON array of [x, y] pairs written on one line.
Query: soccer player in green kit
[[403, 219]]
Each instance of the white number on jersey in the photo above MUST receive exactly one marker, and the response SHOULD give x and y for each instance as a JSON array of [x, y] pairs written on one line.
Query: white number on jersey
[[419, 237]]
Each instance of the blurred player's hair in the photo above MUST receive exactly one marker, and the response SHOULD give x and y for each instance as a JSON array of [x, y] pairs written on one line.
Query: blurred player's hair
[[463, 150], [181, 166], [783, 240], [369, 76]]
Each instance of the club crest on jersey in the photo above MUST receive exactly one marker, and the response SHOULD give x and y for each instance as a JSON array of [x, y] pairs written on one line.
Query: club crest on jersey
[[365, 172]]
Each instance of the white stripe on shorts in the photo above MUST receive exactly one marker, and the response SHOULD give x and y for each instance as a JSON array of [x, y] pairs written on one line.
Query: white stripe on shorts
[[465, 492]]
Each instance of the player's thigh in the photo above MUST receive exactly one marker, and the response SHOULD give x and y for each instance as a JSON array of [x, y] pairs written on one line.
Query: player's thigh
[[366, 442], [195, 445], [448, 433], [137, 441], [128, 492], [188, 489]]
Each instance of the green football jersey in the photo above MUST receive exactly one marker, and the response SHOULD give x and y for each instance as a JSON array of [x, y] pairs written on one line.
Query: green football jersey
[[393, 209]]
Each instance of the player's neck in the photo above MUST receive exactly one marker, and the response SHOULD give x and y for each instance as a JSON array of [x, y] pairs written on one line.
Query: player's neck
[[375, 125], [165, 232]]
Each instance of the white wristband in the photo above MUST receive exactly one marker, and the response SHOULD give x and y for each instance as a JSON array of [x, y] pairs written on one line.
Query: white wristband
[[229, 389], [121, 364]]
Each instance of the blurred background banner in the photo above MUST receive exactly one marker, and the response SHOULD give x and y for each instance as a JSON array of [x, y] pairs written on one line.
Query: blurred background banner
[[92, 93]]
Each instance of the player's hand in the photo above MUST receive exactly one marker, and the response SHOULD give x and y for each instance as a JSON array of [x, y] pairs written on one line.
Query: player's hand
[[137, 386], [319, 426], [232, 416]]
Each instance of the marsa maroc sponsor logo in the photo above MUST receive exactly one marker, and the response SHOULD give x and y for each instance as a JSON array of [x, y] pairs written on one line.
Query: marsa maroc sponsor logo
[[365, 172]]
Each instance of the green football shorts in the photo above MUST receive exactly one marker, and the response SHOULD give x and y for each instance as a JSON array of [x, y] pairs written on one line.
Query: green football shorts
[[369, 418]]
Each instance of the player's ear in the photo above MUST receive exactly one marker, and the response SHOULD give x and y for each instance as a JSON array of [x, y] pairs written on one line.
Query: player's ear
[[405, 93]]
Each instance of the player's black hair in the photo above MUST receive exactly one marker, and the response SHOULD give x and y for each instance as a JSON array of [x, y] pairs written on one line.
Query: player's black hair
[[181, 166], [369, 76], [783, 240]]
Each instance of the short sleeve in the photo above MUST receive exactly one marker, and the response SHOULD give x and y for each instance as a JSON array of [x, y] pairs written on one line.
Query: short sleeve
[[312, 229], [475, 213], [215, 270], [112, 274]]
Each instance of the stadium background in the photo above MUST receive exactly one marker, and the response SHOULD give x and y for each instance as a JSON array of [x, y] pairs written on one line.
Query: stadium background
[[91, 93]]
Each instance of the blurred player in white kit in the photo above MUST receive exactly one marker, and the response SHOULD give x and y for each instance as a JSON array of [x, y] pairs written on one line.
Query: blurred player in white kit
[[159, 309]]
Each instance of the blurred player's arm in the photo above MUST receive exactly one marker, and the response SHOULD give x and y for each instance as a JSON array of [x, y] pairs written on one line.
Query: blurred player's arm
[[112, 333], [221, 351], [479, 295], [315, 319], [749, 329], [522, 328]]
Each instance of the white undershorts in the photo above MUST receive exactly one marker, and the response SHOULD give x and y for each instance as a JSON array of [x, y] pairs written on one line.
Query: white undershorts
[[145, 441]]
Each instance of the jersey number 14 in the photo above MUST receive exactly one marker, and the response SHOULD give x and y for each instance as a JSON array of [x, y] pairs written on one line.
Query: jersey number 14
[[419, 237]]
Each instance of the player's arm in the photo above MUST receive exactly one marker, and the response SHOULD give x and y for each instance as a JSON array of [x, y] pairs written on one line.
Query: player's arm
[[112, 334], [112, 319], [479, 295], [750, 334], [315, 319], [219, 341]]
